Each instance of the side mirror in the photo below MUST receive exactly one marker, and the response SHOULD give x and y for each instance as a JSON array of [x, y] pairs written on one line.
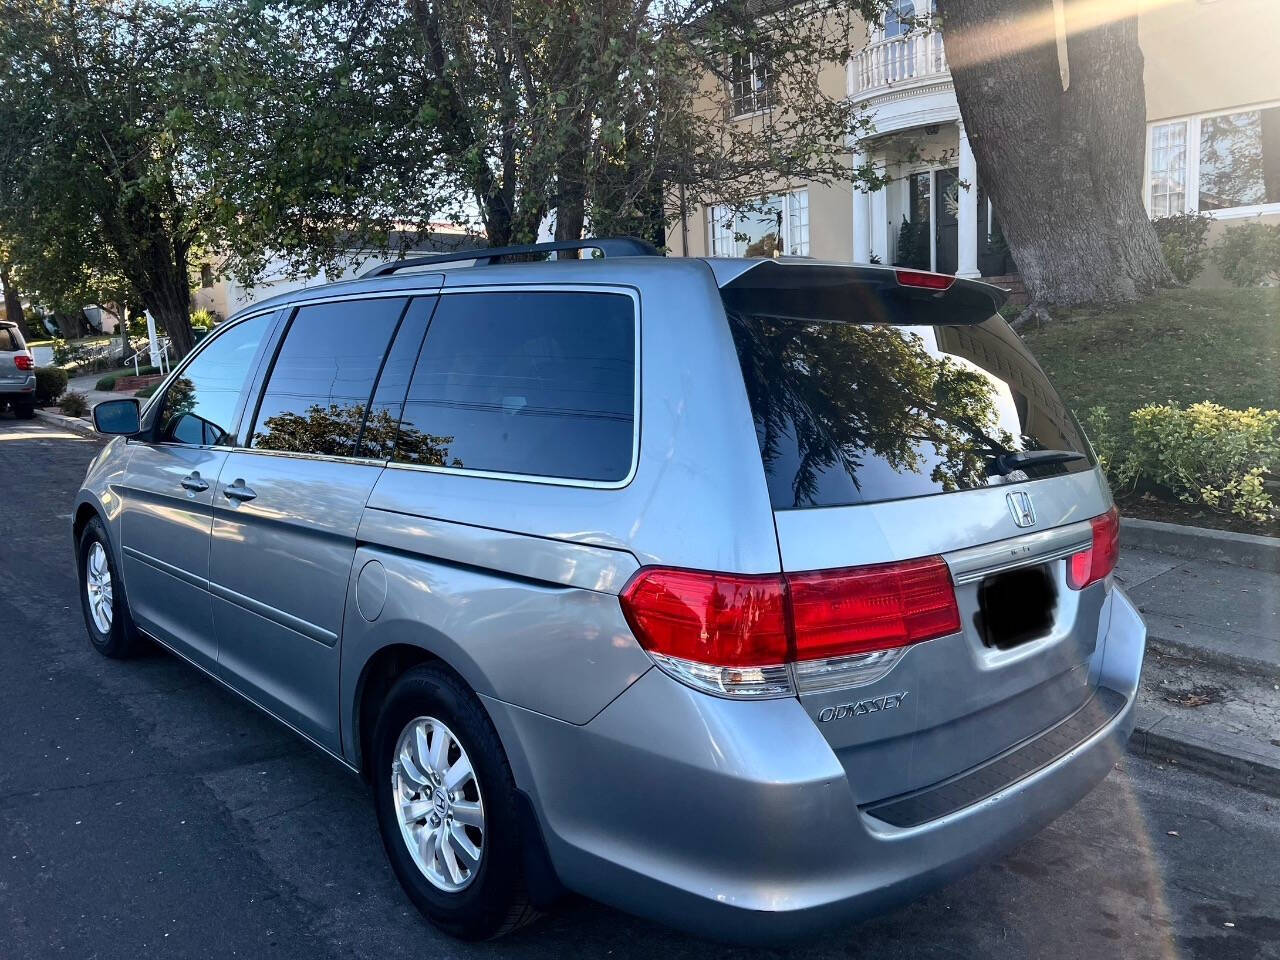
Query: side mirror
[[121, 416]]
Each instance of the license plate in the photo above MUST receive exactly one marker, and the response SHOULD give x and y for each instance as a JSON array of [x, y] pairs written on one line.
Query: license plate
[[1016, 606]]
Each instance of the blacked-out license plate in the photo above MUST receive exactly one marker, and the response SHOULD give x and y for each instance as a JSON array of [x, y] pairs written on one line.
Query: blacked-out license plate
[[1016, 606]]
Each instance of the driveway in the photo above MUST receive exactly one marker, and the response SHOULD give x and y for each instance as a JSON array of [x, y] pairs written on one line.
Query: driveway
[[146, 811]]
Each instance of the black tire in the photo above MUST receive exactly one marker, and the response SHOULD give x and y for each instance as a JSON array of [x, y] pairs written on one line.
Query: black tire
[[496, 901], [122, 639], [24, 409]]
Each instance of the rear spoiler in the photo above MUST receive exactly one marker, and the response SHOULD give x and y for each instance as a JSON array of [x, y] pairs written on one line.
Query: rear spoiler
[[803, 289]]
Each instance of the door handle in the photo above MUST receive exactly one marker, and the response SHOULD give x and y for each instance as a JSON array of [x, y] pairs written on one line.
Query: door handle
[[194, 483], [238, 492]]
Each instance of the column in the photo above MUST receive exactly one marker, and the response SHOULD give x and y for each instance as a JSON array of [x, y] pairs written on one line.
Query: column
[[861, 214], [880, 221], [967, 218]]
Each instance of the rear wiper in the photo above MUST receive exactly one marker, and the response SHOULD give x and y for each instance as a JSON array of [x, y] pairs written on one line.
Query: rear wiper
[[1006, 463]]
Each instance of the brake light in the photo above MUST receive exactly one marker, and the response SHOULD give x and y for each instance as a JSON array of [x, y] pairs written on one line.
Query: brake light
[[927, 281], [23, 362], [735, 635], [1090, 566]]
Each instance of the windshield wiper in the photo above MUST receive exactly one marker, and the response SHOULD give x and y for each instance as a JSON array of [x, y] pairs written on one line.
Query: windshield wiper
[[1006, 463]]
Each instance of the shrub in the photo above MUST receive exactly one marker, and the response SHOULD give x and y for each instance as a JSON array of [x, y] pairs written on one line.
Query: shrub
[[202, 318], [1108, 446], [1249, 255], [74, 404], [1184, 238], [50, 384], [1209, 454], [147, 391]]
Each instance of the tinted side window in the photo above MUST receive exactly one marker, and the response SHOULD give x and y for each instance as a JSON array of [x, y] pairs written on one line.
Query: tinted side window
[[379, 437], [318, 390], [9, 340], [538, 383], [200, 403]]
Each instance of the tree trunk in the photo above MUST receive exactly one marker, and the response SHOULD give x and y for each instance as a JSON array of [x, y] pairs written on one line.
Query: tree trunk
[[169, 300], [13, 304], [1063, 167]]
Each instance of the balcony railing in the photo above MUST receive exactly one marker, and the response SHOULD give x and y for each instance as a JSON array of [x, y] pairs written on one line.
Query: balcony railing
[[897, 61]]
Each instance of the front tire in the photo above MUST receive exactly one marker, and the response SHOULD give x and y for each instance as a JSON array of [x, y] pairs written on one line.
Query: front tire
[[446, 805], [102, 599]]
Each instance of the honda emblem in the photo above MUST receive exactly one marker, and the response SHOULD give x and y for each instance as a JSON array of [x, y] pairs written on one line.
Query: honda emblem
[[1024, 514]]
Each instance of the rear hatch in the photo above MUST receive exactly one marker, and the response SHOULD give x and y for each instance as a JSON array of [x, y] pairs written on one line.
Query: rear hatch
[[895, 422]]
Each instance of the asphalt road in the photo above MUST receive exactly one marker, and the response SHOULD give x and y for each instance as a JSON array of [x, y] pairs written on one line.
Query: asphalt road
[[144, 811]]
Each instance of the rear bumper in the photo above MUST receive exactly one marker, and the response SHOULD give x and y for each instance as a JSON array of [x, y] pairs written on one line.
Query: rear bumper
[[736, 820], [10, 388]]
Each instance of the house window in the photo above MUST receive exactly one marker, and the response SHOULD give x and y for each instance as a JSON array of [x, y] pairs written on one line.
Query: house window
[[1223, 163], [748, 84], [206, 275], [1168, 169], [1240, 159], [777, 224]]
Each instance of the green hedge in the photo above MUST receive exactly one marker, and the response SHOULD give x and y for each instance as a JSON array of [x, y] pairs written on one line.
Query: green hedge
[[1204, 453], [50, 384]]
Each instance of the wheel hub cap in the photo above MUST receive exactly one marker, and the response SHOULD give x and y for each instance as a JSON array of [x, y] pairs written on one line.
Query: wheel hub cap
[[438, 804], [97, 587]]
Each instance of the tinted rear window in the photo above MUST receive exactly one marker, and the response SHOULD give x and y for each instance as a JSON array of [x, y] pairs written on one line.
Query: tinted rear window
[[11, 340], [536, 383], [851, 413]]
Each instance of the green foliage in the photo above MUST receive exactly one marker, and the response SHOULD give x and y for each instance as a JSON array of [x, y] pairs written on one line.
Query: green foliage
[[202, 318], [1184, 239], [50, 384], [1249, 255], [147, 391], [74, 404], [1206, 453], [913, 245]]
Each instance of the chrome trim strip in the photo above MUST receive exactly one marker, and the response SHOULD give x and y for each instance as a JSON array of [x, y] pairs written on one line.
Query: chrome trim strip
[[252, 702], [176, 572], [298, 455], [974, 563], [304, 627]]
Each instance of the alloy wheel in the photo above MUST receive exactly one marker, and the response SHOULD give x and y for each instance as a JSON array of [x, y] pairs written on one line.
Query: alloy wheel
[[438, 804], [97, 585]]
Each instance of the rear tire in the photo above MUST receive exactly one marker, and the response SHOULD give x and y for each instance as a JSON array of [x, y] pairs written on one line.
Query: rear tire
[[24, 409], [102, 599], [473, 887]]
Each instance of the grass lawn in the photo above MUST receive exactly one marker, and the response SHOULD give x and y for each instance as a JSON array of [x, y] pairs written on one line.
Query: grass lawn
[[1180, 346]]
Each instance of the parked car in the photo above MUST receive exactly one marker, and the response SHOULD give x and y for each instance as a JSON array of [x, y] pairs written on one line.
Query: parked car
[[748, 595], [17, 372]]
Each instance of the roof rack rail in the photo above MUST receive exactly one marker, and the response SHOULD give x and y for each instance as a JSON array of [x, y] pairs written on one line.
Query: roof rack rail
[[608, 246]]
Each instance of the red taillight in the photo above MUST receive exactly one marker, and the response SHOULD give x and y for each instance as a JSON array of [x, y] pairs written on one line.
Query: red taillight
[[23, 362], [742, 621], [928, 281], [1090, 566], [861, 609], [727, 620]]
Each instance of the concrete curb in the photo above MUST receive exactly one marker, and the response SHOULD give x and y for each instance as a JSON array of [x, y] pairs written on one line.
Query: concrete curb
[[1201, 543], [68, 423], [1219, 754], [1225, 655]]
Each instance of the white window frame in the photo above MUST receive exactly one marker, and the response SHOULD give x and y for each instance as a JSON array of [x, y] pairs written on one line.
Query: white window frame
[[754, 64], [718, 234], [1192, 200]]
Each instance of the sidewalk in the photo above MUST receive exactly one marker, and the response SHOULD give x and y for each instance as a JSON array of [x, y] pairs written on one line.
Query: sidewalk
[[1210, 694], [86, 386]]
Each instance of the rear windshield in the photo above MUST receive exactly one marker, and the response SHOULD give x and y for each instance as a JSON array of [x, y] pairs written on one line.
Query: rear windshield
[[851, 413]]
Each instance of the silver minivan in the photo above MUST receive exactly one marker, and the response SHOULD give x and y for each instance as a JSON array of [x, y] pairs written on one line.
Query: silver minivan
[[749, 595]]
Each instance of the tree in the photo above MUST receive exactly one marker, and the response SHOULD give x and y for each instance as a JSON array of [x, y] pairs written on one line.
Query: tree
[[500, 112], [107, 185], [1061, 161]]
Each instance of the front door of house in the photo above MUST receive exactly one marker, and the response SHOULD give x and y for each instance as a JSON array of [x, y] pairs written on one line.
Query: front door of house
[[946, 233]]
